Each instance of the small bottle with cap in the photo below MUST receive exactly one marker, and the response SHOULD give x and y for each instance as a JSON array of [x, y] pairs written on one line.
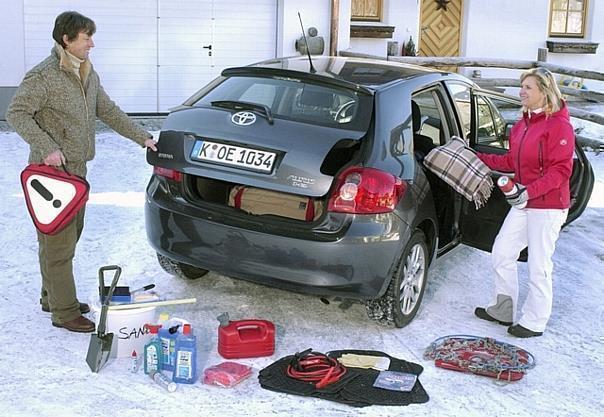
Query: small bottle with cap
[[134, 362], [508, 187]]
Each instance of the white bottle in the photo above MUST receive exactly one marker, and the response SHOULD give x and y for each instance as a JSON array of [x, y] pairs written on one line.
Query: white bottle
[[509, 187]]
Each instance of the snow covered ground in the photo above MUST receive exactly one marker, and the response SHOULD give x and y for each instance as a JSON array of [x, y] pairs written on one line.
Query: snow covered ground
[[43, 371]]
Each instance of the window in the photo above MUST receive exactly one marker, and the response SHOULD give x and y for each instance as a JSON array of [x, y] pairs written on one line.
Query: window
[[495, 118], [295, 100], [429, 118], [461, 97], [567, 18], [367, 10]]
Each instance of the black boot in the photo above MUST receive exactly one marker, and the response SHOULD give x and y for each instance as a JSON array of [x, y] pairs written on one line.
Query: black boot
[[519, 331]]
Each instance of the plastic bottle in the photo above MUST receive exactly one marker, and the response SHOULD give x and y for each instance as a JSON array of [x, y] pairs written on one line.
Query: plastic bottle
[[163, 381], [153, 352], [168, 341], [167, 336], [185, 368], [509, 187], [134, 362]]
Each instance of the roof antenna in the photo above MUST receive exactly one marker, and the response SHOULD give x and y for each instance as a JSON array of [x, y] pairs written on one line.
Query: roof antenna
[[312, 68]]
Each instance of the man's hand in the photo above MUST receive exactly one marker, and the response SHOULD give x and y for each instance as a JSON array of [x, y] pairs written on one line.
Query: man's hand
[[519, 197], [150, 143], [55, 159]]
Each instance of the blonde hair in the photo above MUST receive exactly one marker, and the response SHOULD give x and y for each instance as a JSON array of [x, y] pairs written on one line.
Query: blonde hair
[[547, 85]]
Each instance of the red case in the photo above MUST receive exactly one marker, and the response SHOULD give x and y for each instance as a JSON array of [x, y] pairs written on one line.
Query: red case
[[246, 339], [226, 374], [53, 197]]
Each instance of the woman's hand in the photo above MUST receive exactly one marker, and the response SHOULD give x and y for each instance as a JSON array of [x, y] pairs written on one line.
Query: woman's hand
[[519, 197]]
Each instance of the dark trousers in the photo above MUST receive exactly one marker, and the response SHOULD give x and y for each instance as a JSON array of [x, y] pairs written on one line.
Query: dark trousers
[[56, 253]]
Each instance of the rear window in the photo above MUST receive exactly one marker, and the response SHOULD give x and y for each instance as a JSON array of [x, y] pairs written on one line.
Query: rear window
[[297, 100]]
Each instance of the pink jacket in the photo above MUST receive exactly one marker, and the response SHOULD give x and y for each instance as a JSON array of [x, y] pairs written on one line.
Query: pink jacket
[[541, 156]]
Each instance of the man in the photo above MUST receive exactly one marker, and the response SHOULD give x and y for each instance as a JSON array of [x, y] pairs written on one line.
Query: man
[[55, 110]]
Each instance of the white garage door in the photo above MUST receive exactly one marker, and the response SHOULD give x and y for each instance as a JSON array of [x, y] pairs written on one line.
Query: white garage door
[[150, 55], [198, 39]]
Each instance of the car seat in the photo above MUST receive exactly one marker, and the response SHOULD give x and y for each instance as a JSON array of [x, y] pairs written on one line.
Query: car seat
[[422, 144]]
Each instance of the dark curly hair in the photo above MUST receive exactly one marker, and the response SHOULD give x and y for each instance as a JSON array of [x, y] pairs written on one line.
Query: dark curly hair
[[72, 23]]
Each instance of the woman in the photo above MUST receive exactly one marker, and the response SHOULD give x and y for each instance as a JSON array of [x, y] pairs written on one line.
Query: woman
[[541, 158]]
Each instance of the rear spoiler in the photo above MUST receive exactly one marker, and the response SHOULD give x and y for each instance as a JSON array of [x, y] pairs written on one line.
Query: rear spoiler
[[284, 73]]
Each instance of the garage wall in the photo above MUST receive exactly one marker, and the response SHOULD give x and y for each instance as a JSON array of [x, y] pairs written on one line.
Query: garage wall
[[314, 13], [149, 53], [12, 64], [125, 51]]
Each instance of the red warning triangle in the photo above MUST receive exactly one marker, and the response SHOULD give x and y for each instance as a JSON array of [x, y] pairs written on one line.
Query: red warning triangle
[[52, 196]]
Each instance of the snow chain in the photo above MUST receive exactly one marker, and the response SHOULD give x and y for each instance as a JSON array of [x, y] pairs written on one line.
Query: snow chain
[[480, 355]]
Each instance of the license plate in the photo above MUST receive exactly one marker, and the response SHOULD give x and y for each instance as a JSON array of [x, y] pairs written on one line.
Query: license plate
[[238, 156]]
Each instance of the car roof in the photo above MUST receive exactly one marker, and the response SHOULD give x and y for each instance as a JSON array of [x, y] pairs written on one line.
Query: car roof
[[372, 74]]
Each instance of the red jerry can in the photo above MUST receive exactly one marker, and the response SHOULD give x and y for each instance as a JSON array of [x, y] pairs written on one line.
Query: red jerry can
[[245, 338]]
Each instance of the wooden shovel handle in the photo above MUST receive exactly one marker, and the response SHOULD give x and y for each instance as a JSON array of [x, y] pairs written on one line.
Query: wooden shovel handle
[[153, 304]]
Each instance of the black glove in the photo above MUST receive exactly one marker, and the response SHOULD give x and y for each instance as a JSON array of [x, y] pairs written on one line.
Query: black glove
[[519, 197]]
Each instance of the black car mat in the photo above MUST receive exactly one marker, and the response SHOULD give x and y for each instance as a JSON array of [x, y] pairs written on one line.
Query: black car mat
[[356, 386]]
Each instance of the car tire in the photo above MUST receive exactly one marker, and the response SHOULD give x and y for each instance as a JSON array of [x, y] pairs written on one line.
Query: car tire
[[402, 299], [179, 269]]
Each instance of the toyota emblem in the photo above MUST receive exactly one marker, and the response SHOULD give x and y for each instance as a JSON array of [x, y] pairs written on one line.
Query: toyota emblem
[[243, 118]]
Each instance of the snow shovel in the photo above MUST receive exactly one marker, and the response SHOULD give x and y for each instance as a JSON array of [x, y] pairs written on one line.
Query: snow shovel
[[101, 342]]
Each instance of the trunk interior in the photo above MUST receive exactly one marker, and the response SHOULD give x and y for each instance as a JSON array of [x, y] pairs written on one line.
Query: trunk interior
[[256, 201]]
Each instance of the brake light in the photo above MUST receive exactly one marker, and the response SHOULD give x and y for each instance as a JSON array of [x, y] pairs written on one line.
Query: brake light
[[168, 173], [366, 191]]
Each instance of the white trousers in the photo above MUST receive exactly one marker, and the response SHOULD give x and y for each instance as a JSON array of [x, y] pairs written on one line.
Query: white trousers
[[538, 229]]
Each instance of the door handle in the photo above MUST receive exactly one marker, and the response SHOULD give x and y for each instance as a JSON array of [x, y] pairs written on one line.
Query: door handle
[[208, 47]]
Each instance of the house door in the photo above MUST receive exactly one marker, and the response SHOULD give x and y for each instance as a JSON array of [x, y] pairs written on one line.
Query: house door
[[440, 27]]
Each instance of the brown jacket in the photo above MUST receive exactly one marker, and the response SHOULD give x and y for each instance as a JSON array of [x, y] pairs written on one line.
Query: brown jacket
[[52, 109]]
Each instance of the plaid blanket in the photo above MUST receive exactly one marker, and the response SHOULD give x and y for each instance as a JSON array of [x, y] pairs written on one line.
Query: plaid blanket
[[459, 167]]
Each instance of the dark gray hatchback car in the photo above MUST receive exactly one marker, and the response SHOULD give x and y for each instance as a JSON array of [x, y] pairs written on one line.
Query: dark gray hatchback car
[[309, 178]]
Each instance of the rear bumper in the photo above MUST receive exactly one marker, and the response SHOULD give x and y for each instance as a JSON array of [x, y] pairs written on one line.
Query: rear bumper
[[356, 263]]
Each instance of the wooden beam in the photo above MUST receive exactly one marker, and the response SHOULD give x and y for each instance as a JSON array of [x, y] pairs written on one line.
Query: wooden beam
[[335, 22], [497, 63], [585, 115], [509, 82]]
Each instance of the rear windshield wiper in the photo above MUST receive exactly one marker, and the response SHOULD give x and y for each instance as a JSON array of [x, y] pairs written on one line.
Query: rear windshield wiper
[[262, 109]]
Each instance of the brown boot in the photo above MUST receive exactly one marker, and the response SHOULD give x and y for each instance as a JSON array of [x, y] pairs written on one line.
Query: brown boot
[[80, 325]]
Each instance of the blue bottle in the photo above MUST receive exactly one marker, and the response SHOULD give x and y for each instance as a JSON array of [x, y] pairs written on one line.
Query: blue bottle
[[185, 367], [167, 338], [153, 355]]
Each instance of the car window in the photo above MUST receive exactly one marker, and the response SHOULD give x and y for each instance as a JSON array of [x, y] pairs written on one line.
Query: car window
[[260, 93], [297, 100], [461, 97], [492, 126], [430, 117]]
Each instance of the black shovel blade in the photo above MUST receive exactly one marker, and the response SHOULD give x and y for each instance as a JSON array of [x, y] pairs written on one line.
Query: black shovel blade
[[99, 351]]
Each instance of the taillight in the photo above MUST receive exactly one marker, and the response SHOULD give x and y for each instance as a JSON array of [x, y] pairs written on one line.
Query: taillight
[[365, 191], [168, 173]]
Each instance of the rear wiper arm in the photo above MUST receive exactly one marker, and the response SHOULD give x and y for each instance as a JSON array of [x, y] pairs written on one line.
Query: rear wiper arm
[[263, 109]]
